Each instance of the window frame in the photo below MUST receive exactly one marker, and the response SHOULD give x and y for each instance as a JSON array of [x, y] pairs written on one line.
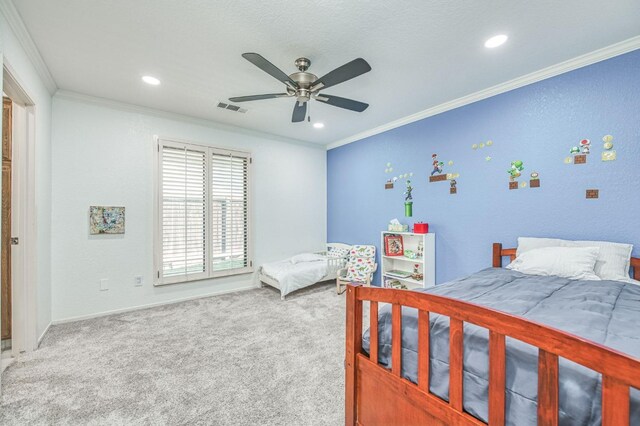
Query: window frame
[[208, 273]]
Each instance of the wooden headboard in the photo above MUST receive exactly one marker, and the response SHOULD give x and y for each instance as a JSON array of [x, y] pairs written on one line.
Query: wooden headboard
[[499, 253]]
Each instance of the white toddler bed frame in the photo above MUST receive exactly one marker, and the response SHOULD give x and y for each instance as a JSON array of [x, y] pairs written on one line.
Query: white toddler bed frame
[[334, 265]]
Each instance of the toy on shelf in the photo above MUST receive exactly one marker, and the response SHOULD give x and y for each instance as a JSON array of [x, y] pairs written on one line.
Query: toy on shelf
[[392, 284], [410, 254], [420, 228], [416, 273]]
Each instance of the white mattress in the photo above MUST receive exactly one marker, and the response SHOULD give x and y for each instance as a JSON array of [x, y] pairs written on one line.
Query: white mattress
[[296, 276]]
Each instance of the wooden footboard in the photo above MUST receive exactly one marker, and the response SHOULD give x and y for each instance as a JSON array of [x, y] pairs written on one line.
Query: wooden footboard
[[377, 396]]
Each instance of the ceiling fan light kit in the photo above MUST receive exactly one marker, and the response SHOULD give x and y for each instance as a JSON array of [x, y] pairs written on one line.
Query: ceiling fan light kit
[[305, 86]]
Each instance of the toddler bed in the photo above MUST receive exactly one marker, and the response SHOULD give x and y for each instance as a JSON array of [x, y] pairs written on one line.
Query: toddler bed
[[305, 269]]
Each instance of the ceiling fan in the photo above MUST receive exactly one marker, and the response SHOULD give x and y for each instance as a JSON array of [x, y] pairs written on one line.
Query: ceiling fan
[[305, 86]]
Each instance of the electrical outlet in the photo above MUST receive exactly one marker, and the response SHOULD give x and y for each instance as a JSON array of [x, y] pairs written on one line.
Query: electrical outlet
[[104, 284], [138, 280]]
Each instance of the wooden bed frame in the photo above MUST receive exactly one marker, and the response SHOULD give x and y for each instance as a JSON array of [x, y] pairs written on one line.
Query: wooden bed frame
[[377, 396]]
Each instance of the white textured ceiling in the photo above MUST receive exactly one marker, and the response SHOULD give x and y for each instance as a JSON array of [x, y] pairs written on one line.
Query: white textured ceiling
[[423, 53]]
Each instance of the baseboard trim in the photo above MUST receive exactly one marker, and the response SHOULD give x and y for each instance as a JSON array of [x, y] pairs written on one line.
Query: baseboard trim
[[149, 305], [43, 334]]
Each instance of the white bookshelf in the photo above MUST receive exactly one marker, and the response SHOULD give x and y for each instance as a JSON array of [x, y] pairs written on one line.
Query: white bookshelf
[[426, 263]]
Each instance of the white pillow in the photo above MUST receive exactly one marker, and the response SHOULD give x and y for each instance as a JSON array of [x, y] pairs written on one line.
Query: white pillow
[[614, 259], [575, 263], [526, 244], [307, 257]]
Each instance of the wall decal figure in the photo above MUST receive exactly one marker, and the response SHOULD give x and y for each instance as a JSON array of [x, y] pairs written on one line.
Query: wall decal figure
[[514, 172], [437, 170], [517, 167], [535, 180], [437, 165], [408, 200]]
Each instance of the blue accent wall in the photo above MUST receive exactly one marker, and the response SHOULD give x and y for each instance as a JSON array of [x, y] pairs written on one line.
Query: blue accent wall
[[537, 124]]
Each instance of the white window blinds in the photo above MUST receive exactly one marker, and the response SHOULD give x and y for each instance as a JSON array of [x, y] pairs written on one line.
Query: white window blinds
[[203, 212], [229, 211]]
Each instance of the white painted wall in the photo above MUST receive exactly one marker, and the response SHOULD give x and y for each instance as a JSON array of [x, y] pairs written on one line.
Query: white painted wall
[[103, 154], [15, 57]]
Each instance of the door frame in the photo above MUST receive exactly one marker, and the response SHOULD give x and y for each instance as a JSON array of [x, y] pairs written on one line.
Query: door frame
[[24, 336]]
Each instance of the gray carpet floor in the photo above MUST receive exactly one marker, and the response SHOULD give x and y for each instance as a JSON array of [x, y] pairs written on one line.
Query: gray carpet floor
[[236, 359]]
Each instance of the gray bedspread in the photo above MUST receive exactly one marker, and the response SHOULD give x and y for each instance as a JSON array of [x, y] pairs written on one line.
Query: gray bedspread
[[606, 312]]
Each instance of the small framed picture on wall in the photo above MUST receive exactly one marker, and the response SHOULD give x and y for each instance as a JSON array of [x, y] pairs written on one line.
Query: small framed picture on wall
[[393, 245]]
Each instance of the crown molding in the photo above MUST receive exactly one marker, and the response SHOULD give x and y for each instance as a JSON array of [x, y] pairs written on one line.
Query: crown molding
[[123, 106], [11, 14], [543, 74]]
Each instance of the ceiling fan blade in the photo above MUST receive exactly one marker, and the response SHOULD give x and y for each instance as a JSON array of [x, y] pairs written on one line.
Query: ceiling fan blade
[[342, 102], [269, 68], [341, 74], [299, 112], [258, 97]]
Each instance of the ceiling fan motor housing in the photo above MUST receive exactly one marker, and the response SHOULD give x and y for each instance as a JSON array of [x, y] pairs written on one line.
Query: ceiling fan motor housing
[[303, 79]]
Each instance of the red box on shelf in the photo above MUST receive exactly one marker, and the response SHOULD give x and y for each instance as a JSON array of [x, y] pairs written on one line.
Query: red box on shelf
[[421, 228]]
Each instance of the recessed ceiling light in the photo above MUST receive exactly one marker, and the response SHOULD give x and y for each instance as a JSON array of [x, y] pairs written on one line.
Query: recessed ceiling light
[[318, 125], [151, 80], [495, 41]]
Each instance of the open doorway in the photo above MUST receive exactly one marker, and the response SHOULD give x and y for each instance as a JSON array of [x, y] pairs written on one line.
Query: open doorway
[[17, 232]]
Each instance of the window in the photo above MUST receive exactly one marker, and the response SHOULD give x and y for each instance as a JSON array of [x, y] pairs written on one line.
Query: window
[[203, 212]]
